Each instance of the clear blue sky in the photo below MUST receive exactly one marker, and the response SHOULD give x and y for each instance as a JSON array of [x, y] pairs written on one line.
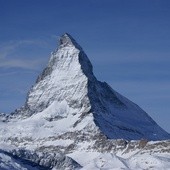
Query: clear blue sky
[[128, 43]]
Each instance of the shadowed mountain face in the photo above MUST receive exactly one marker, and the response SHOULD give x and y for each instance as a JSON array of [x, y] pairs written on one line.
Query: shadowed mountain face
[[67, 86]]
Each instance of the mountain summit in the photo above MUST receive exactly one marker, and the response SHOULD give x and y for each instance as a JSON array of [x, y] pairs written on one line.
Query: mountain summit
[[68, 87], [67, 40], [72, 121]]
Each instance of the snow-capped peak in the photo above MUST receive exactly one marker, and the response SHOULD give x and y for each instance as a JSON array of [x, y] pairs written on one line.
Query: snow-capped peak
[[73, 121], [65, 78], [68, 86], [67, 40]]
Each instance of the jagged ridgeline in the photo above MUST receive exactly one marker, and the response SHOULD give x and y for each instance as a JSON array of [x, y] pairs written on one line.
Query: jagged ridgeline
[[71, 120]]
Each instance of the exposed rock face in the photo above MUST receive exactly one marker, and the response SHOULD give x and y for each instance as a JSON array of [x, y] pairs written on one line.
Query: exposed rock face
[[69, 112]]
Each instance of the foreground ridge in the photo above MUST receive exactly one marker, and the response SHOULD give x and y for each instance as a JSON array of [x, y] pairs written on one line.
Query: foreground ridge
[[70, 115]]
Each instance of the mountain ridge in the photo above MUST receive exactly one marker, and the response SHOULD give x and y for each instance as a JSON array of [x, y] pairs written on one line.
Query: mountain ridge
[[71, 120], [70, 69]]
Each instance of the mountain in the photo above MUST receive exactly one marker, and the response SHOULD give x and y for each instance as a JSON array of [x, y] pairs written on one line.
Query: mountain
[[67, 86], [71, 120]]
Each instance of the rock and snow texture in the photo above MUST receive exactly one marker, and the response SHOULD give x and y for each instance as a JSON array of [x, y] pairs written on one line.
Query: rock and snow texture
[[70, 113], [67, 87]]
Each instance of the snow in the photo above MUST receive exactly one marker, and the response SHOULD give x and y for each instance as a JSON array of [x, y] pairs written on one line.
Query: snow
[[58, 143], [69, 111], [68, 89], [108, 161]]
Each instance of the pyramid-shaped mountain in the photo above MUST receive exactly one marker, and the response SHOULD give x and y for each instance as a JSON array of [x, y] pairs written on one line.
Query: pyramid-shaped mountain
[[68, 93]]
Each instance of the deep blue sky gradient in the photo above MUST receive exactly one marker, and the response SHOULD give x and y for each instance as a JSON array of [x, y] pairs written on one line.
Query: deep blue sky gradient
[[128, 43]]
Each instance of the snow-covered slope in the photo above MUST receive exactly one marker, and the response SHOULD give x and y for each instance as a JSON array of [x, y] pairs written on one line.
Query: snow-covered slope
[[69, 112]]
